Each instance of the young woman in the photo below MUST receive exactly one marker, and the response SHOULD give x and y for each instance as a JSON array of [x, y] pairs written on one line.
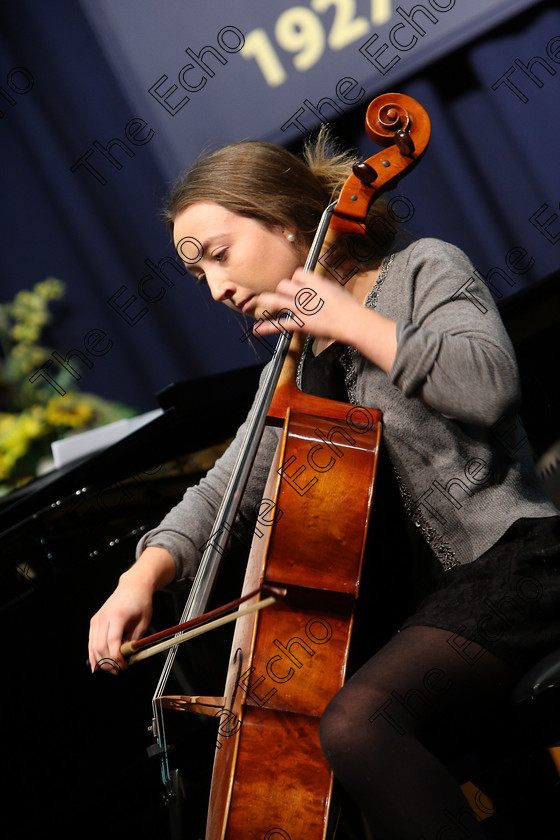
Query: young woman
[[414, 333]]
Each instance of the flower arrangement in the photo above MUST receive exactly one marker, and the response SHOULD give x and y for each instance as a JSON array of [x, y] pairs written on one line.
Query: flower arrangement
[[31, 416]]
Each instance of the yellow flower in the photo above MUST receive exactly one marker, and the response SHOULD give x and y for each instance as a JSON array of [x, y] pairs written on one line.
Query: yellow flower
[[5, 467], [31, 423], [5, 422], [28, 332], [16, 434], [62, 412], [49, 289], [25, 300]]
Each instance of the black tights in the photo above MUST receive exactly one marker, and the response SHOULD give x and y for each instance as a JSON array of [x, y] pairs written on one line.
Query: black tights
[[386, 732]]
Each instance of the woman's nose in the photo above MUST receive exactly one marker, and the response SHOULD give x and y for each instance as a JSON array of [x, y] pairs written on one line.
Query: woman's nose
[[221, 289]]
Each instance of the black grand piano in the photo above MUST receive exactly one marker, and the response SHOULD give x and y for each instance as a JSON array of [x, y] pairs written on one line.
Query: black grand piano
[[74, 748], [133, 481]]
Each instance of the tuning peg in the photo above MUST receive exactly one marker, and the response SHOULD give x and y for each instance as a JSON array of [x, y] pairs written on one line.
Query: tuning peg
[[404, 142], [364, 173]]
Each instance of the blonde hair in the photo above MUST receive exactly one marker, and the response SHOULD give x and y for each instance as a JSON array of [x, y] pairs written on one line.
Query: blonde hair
[[268, 183]]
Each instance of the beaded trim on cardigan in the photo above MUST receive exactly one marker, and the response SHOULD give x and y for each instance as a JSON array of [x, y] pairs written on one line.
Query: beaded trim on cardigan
[[348, 358], [441, 549]]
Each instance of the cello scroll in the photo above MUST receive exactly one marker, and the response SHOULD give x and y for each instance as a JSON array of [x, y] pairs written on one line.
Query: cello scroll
[[392, 120]]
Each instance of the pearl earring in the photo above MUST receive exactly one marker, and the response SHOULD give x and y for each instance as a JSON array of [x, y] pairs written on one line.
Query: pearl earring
[[291, 237]]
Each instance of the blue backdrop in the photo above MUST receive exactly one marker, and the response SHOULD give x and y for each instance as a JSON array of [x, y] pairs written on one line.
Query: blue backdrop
[[102, 103]]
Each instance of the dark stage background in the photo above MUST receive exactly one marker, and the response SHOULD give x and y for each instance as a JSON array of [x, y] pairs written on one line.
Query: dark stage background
[[489, 182], [102, 102]]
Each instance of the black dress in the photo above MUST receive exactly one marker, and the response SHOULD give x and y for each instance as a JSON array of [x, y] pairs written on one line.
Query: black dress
[[507, 600]]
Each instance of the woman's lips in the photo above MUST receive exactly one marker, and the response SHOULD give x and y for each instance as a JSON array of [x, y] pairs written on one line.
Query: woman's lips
[[245, 305]]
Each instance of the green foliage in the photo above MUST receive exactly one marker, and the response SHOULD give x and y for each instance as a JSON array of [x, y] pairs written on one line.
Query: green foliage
[[31, 416]]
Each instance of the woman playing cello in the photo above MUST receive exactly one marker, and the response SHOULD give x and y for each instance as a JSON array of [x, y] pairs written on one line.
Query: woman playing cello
[[414, 333]]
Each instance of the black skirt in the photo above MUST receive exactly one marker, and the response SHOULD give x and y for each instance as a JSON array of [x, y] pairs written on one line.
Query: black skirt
[[508, 600]]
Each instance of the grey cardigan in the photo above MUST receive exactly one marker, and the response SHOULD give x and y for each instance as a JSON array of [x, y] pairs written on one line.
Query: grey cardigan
[[450, 418]]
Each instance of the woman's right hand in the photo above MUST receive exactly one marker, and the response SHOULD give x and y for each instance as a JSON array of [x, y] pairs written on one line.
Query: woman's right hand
[[126, 614]]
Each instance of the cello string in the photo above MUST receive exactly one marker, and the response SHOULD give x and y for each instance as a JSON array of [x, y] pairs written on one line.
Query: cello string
[[209, 566], [203, 583]]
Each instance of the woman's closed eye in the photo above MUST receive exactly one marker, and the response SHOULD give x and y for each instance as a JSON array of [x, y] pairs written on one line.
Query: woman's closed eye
[[220, 256]]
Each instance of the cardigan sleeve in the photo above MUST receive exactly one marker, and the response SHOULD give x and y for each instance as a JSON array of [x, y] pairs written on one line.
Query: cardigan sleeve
[[186, 529], [454, 352]]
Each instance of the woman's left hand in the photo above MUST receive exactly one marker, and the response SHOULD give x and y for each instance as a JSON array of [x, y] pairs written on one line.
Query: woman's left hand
[[325, 309], [320, 307]]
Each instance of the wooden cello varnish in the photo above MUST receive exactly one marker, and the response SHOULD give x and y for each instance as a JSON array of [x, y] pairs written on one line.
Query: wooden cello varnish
[[271, 779]]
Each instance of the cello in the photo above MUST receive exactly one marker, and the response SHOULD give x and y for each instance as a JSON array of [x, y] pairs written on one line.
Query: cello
[[292, 638]]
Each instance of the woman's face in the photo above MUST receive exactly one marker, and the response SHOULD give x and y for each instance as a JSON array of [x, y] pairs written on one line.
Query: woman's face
[[240, 257]]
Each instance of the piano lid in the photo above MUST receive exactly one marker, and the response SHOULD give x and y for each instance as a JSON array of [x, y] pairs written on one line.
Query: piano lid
[[197, 414]]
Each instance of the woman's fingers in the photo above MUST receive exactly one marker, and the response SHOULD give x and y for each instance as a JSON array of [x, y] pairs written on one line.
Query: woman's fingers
[[306, 303], [123, 617]]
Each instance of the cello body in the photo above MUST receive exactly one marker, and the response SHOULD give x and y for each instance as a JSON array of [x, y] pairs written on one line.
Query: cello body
[[270, 777]]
